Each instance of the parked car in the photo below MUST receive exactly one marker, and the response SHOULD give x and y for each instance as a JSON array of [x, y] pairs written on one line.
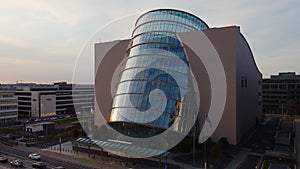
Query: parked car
[[3, 159], [46, 119], [59, 167], [37, 120], [16, 163], [67, 116], [53, 118], [35, 156], [39, 165], [28, 121]]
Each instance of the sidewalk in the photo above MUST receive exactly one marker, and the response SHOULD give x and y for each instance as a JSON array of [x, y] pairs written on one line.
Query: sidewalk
[[76, 158], [67, 150]]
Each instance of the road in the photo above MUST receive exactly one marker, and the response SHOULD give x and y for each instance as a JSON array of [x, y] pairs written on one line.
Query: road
[[49, 159], [297, 135], [250, 162]]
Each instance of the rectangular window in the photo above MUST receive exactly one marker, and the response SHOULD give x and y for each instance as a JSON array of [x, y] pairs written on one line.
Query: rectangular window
[[265, 86], [242, 81], [274, 86]]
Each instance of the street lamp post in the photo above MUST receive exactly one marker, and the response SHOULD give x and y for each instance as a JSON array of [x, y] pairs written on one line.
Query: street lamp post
[[194, 145], [59, 144]]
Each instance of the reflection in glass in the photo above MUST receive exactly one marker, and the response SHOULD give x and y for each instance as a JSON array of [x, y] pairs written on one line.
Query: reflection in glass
[[156, 62]]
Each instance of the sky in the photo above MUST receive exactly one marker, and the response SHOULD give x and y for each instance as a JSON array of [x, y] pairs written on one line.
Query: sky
[[41, 40]]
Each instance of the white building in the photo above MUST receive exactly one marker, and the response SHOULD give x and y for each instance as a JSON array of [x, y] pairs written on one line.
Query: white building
[[44, 126], [8, 107], [36, 102]]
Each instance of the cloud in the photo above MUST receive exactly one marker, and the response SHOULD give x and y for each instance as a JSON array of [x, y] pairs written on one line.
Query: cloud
[[14, 42], [33, 70], [50, 32]]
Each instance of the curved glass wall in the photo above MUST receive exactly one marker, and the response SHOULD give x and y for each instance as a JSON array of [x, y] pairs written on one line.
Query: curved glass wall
[[152, 66]]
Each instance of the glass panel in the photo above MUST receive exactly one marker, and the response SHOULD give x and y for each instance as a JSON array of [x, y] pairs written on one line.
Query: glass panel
[[151, 65]]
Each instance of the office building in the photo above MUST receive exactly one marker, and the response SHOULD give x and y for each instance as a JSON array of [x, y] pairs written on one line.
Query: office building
[[74, 96], [177, 35], [281, 94], [40, 100], [36, 102], [8, 107]]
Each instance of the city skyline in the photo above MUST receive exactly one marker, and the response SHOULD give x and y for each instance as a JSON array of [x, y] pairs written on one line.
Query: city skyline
[[40, 40]]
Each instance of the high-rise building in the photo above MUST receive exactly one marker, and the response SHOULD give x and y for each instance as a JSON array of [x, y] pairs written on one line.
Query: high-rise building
[[281, 94], [8, 107], [161, 38]]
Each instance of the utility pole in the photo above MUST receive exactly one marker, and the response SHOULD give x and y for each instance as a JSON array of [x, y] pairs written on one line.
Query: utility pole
[[205, 164], [59, 144], [194, 144]]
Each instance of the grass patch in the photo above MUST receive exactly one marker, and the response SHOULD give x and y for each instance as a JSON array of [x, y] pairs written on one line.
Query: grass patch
[[9, 130]]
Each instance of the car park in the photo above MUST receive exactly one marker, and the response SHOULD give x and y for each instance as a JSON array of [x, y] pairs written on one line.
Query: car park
[[40, 165], [35, 156], [16, 163]]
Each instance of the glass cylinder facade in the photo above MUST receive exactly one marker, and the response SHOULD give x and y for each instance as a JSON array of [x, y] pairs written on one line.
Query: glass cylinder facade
[[154, 78]]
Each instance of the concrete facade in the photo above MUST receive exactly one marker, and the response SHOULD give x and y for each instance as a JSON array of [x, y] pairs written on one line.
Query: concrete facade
[[8, 107], [43, 104], [36, 103], [243, 100], [39, 101]]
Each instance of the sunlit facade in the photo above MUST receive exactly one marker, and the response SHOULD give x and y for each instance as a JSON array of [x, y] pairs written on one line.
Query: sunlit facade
[[154, 53], [155, 71]]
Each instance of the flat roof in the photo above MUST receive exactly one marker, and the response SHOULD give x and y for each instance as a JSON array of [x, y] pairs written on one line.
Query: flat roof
[[40, 124], [118, 146]]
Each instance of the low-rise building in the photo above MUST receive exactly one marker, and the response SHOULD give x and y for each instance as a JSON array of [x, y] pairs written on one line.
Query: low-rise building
[[44, 100], [44, 126], [281, 94], [36, 102], [8, 108]]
